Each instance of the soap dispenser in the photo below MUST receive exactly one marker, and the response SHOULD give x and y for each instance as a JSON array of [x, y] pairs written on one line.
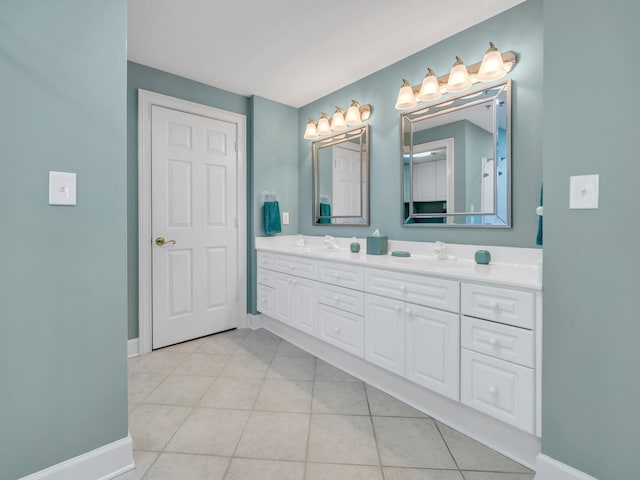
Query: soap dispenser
[[355, 246]]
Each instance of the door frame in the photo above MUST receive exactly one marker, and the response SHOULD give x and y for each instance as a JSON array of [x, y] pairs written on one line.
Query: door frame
[[146, 99]]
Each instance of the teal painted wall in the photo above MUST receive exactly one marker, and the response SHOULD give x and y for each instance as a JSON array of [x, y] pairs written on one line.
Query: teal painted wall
[[63, 288], [274, 152], [147, 78], [591, 387], [518, 29]]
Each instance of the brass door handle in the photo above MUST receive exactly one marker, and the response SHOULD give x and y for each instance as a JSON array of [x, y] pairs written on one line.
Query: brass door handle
[[160, 241]]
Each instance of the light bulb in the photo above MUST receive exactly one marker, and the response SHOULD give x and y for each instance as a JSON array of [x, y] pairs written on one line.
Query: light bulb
[[311, 131], [323, 125], [430, 89], [492, 66], [458, 77], [406, 98], [353, 114], [337, 122]]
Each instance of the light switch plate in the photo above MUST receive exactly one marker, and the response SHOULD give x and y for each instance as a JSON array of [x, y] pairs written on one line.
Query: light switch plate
[[62, 188], [583, 191], [285, 218]]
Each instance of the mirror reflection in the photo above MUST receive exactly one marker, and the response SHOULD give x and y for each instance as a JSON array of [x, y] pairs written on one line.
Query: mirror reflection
[[456, 161], [341, 178]]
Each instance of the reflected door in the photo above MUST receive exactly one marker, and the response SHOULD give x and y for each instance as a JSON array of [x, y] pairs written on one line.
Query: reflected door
[[194, 203], [347, 181]]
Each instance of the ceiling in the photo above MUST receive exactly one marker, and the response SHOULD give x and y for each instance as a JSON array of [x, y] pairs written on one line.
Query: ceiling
[[290, 51]]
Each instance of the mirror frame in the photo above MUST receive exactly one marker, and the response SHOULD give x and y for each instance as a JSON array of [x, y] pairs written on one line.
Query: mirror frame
[[442, 107], [343, 136]]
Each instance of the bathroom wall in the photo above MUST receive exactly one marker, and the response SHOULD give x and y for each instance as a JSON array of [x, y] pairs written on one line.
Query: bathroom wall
[[591, 387], [274, 159], [63, 288], [518, 29], [147, 78]]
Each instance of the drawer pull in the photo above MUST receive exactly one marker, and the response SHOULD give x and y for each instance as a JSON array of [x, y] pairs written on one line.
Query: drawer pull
[[336, 276], [403, 288], [493, 304], [294, 281], [335, 298], [494, 341], [337, 330], [492, 390], [397, 308], [263, 300]]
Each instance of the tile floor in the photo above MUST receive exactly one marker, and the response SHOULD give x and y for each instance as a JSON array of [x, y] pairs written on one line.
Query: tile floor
[[247, 405]]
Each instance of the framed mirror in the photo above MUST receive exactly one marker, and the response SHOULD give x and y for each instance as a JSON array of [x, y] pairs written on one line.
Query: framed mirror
[[341, 178], [456, 160]]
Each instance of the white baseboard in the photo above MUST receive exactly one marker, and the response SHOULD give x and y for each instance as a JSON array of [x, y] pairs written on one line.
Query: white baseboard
[[133, 347], [551, 469], [254, 321], [104, 463]]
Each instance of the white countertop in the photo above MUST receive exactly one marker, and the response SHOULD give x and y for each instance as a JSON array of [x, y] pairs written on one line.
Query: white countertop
[[515, 267]]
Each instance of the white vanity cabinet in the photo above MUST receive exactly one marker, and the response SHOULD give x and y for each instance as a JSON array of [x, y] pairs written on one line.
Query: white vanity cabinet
[[498, 353], [385, 333]]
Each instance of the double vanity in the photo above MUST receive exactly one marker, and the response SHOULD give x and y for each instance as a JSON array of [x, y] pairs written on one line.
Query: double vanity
[[457, 340]]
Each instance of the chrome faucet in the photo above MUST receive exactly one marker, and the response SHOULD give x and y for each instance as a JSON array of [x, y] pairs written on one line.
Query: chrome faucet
[[441, 251], [330, 242]]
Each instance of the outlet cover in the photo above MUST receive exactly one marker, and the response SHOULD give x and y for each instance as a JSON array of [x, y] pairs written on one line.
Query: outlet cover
[[62, 188], [583, 191], [285, 218]]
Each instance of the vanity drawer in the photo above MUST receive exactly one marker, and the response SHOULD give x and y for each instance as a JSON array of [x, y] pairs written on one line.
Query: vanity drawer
[[501, 341], [419, 289], [266, 277], [341, 329], [342, 298], [341, 274], [266, 299], [301, 267], [267, 260], [512, 307], [498, 388]]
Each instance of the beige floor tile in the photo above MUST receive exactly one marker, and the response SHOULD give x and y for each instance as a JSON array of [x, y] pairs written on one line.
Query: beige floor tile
[[264, 335], [394, 473], [329, 373], [258, 348], [235, 333], [234, 393], [143, 461], [384, 405], [342, 439], [285, 396], [276, 436], [152, 426], [292, 368], [203, 364], [159, 362], [326, 471], [219, 345], [176, 466], [184, 390], [132, 361], [245, 366], [286, 349], [471, 455], [340, 398], [250, 469], [411, 442], [497, 476], [142, 384], [209, 432]]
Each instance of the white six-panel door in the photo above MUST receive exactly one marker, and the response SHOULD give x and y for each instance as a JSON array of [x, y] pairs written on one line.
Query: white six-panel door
[[194, 204]]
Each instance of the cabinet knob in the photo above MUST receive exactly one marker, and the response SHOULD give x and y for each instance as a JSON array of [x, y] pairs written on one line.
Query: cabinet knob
[[492, 390], [409, 312], [337, 330], [403, 288], [335, 298], [336, 275], [397, 308], [294, 281], [493, 341], [493, 304]]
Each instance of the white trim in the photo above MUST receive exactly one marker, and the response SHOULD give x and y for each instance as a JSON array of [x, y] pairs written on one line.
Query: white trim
[[104, 463], [254, 321], [517, 444], [551, 469], [133, 347], [146, 100]]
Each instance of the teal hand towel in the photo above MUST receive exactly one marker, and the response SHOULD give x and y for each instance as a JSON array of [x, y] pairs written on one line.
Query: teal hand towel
[[272, 218], [325, 211], [539, 237]]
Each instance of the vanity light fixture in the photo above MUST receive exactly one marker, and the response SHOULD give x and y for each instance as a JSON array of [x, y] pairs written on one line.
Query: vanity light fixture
[[494, 66], [355, 115]]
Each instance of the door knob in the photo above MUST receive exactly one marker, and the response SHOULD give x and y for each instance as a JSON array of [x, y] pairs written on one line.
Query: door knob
[[160, 241]]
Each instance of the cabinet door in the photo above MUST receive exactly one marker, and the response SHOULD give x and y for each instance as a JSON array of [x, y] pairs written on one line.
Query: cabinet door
[[342, 329], [265, 300], [282, 307], [433, 349], [304, 300], [424, 182], [384, 333], [441, 180]]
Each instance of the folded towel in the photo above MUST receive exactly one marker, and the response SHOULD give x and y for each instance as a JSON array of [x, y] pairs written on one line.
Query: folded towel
[[325, 211], [539, 237], [272, 218]]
